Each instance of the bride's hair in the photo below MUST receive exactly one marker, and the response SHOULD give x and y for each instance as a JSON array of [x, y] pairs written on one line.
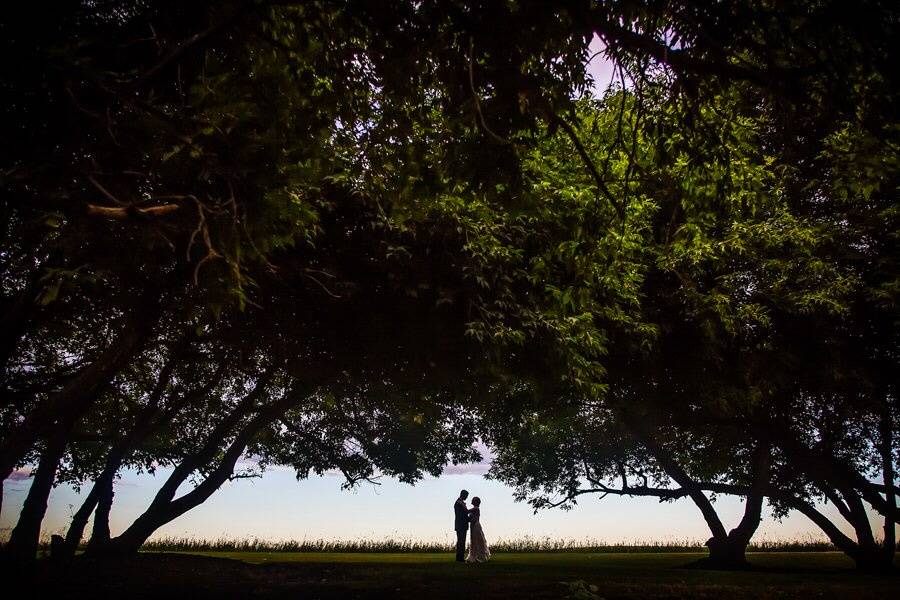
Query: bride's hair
[[476, 501]]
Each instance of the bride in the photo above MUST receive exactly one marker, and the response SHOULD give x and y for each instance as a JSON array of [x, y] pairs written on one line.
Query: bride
[[478, 549]]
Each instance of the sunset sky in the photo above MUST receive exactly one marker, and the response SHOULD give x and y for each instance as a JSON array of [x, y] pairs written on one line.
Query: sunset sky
[[277, 506]]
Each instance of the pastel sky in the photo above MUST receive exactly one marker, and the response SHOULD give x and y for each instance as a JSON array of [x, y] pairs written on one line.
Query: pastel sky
[[599, 68], [278, 507]]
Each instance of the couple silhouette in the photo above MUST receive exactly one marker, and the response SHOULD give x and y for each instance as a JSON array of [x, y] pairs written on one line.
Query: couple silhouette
[[466, 518]]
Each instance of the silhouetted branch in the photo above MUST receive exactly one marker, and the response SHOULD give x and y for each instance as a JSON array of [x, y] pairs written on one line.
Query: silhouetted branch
[[122, 213], [179, 49], [484, 124], [588, 162]]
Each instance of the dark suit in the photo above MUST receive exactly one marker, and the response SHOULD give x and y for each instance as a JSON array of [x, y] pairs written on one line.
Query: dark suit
[[461, 524]]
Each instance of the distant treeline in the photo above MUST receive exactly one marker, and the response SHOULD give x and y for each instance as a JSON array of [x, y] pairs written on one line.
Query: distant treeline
[[527, 544]]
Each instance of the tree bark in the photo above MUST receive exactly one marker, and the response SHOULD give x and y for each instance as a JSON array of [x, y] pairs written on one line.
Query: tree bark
[[100, 534], [866, 558], [680, 476], [165, 509], [130, 541], [835, 535], [859, 520], [101, 492], [727, 550], [739, 538], [208, 451], [79, 521], [13, 325], [100, 497], [23, 542]]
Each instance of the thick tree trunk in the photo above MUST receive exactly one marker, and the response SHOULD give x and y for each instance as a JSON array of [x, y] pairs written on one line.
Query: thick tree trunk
[[100, 535], [680, 476], [727, 550], [23, 542], [13, 325], [161, 513], [208, 451], [866, 557], [835, 535], [734, 553], [100, 497], [860, 521], [731, 552], [79, 522], [849, 504], [101, 494], [165, 508], [723, 553]]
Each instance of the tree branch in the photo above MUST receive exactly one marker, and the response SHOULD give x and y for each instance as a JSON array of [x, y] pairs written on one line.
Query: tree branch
[[123, 213], [182, 47]]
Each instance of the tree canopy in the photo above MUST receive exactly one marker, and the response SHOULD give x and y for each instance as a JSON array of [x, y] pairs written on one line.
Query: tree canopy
[[360, 236]]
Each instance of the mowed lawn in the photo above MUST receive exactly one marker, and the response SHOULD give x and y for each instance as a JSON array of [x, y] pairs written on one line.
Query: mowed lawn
[[436, 576]]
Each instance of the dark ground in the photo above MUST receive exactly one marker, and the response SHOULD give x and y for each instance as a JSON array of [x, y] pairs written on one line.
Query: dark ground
[[302, 576]]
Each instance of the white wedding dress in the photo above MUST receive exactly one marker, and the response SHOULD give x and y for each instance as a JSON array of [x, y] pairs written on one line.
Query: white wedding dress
[[478, 548]]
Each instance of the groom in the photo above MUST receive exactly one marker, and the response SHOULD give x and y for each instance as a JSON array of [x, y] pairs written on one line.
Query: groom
[[461, 524]]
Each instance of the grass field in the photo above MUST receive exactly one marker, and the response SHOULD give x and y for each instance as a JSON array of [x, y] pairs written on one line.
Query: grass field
[[515, 545], [435, 577], [419, 546]]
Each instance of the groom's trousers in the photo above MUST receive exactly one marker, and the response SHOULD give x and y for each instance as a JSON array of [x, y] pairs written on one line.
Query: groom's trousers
[[460, 544]]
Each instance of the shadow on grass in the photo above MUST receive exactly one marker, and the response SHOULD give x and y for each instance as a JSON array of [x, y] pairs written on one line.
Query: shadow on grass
[[435, 577]]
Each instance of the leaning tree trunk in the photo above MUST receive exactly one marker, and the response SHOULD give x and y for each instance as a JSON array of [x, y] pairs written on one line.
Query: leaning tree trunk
[[79, 522], [163, 510], [719, 541], [722, 554], [158, 514], [727, 549], [735, 551], [146, 422], [100, 535], [860, 522], [165, 507], [847, 490], [100, 497], [835, 535], [14, 323], [23, 542], [867, 555], [76, 397]]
